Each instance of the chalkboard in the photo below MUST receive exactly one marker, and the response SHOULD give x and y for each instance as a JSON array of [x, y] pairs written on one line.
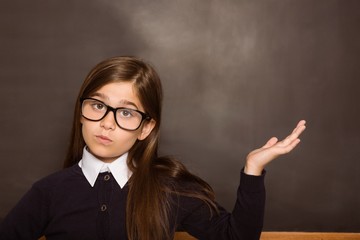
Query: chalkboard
[[235, 73]]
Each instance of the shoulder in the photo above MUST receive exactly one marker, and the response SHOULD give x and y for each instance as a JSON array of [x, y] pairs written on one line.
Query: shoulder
[[54, 185], [60, 178]]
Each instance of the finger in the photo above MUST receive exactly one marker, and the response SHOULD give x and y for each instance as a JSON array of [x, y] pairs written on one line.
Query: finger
[[288, 140], [299, 125], [290, 147], [295, 133], [271, 142]]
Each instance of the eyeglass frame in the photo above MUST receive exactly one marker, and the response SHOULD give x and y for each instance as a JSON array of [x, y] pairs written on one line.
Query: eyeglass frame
[[144, 116]]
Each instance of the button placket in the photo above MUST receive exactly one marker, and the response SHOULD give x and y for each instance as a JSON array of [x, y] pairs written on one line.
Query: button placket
[[104, 200]]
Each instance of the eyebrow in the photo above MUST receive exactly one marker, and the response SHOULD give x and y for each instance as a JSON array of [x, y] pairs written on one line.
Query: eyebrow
[[122, 101]]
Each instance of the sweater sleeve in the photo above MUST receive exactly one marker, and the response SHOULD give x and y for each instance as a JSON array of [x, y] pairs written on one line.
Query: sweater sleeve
[[27, 219], [245, 222]]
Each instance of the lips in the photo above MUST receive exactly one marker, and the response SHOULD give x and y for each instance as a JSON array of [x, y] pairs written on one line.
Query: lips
[[103, 139]]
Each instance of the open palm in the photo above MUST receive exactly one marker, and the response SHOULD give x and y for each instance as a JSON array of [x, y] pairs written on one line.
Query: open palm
[[259, 158]]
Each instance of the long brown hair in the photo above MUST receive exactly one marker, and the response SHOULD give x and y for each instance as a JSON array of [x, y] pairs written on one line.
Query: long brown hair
[[154, 178]]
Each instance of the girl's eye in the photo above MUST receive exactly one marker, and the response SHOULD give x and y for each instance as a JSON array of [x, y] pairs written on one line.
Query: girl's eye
[[126, 113], [98, 106]]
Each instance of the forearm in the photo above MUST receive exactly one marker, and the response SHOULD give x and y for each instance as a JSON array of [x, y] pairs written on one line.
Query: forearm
[[243, 223]]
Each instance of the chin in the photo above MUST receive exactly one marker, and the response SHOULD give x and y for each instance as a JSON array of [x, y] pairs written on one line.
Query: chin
[[104, 156]]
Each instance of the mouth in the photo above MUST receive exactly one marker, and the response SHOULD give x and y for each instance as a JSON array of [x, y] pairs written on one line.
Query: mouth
[[103, 139]]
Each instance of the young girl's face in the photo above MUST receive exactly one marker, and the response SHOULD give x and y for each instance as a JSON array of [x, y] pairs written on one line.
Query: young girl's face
[[104, 138]]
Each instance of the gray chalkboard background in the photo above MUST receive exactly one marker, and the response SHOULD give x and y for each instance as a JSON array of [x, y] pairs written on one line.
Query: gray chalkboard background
[[235, 73]]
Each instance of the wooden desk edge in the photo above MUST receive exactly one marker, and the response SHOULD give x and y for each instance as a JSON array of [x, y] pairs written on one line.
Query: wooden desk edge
[[286, 236], [291, 236]]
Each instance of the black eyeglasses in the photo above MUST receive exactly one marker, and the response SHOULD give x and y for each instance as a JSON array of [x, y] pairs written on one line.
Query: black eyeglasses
[[129, 119]]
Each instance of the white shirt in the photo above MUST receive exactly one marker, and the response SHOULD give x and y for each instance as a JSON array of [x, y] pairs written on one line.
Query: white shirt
[[91, 167]]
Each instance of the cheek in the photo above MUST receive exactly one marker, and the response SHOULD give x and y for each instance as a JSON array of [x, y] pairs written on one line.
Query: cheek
[[86, 130], [125, 139]]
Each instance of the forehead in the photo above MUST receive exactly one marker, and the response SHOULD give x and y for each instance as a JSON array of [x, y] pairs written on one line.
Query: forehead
[[116, 93]]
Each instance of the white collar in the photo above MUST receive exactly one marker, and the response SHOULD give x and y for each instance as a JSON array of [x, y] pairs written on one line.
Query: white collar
[[91, 167]]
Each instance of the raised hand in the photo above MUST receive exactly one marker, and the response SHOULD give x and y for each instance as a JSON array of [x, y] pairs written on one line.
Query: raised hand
[[259, 158]]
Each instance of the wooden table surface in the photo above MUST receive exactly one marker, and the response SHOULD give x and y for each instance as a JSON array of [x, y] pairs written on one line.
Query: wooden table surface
[[290, 236]]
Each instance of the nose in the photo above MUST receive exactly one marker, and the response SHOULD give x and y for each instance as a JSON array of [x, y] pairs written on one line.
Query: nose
[[108, 122]]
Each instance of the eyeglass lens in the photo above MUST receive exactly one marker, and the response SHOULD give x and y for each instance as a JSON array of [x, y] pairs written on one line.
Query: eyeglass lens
[[126, 118]]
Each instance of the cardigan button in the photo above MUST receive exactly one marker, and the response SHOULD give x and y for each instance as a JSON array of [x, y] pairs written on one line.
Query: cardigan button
[[103, 208], [106, 177]]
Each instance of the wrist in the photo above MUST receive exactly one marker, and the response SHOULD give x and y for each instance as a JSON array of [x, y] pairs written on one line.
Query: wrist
[[253, 170]]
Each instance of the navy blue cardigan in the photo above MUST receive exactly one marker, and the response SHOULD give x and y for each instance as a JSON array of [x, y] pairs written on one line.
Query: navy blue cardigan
[[64, 206]]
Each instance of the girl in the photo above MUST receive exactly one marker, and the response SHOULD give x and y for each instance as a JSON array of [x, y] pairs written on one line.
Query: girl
[[115, 186]]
